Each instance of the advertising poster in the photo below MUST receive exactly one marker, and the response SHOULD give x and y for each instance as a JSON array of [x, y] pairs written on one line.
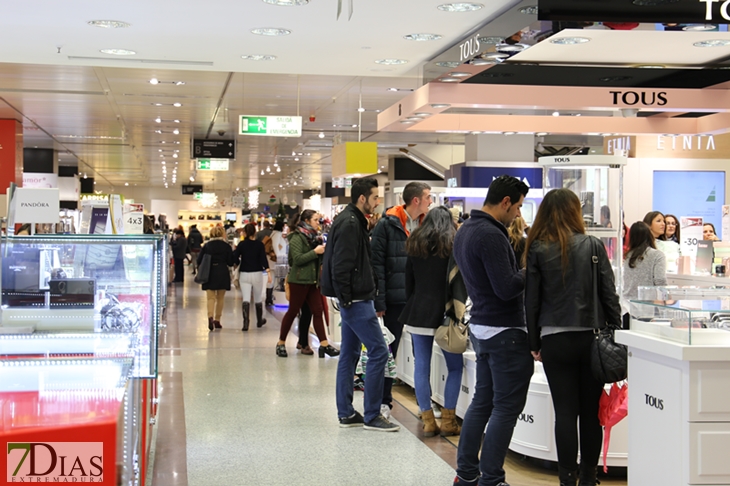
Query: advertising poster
[[693, 194]]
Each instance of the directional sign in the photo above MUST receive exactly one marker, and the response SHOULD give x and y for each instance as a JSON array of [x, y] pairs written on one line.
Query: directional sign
[[217, 149], [188, 189], [271, 126], [211, 164]]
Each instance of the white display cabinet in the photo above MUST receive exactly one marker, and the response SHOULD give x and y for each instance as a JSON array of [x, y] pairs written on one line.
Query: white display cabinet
[[679, 412], [404, 361]]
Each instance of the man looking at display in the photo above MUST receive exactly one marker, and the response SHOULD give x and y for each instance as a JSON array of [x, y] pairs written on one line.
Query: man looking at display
[[498, 332], [348, 275], [389, 262]]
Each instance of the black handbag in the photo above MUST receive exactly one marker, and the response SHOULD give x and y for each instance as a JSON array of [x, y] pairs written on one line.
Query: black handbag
[[609, 361], [203, 273]]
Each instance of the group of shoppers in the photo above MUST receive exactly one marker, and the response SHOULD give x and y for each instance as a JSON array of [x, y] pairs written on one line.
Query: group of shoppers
[[665, 227]]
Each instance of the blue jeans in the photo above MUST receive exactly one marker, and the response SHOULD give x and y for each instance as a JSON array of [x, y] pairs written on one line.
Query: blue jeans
[[504, 369], [360, 326], [422, 349]]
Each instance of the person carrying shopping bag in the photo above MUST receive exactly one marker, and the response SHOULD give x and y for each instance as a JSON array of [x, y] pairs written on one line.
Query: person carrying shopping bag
[[429, 249]]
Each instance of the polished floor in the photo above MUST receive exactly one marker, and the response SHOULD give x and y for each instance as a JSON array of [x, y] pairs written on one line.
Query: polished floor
[[232, 412]]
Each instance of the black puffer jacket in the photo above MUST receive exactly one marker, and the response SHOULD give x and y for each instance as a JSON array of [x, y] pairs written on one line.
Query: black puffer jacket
[[554, 300], [347, 272], [389, 262]]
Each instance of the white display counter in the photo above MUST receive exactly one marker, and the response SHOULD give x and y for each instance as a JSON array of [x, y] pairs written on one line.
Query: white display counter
[[679, 412]]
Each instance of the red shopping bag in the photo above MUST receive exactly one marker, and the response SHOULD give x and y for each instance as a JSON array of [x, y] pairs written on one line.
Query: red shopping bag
[[612, 408]]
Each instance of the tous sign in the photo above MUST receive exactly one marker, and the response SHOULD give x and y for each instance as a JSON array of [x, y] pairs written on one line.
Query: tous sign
[[723, 8], [471, 47], [632, 98]]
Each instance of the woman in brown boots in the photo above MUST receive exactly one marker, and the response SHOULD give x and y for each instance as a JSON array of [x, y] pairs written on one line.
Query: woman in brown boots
[[429, 248]]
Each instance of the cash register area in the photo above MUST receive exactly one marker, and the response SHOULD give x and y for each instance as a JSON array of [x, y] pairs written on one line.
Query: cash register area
[[231, 412]]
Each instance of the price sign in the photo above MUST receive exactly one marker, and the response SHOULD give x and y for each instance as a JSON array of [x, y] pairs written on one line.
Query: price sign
[[691, 231]]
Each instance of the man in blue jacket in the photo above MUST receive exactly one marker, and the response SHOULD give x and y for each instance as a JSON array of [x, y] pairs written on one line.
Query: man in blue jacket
[[347, 274], [498, 331]]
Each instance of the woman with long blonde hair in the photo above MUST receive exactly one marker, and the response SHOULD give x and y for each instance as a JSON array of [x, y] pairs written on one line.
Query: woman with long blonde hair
[[561, 309]]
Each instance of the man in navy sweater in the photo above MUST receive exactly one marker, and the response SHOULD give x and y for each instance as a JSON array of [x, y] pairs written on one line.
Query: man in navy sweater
[[498, 332]]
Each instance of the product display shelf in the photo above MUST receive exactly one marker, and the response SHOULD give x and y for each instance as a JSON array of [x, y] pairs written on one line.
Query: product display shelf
[[69, 420], [679, 368]]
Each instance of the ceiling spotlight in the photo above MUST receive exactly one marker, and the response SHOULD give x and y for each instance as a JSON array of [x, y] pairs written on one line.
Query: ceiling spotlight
[[354, 126], [177, 105], [154, 81], [159, 131], [268, 169], [567, 41], [448, 64], [321, 135], [126, 183], [712, 43], [158, 120], [278, 169], [262, 171], [84, 175], [448, 79], [109, 24], [271, 31], [179, 83], [258, 57], [176, 121], [176, 132], [296, 159], [391, 62], [118, 52], [460, 7], [192, 179], [422, 37], [174, 156], [440, 105], [361, 109], [556, 113]]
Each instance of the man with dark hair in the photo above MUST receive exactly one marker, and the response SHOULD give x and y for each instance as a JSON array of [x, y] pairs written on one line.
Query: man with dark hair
[[497, 327], [348, 275], [264, 232], [195, 243], [389, 262]]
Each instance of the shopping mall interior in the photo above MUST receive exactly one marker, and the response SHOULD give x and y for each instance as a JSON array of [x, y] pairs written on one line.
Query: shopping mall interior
[[121, 117]]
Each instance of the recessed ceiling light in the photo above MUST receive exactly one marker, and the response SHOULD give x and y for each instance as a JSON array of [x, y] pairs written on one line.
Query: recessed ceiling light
[[460, 7], [531, 10], [109, 24], [177, 105], [556, 113], [491, 39], [422, 114], [440, 105], [414, 118], [158, 120], [459, 75], [407, 122], [481, 62], [118, 52], [699, 27], [448, 64], [321, 135], [541, 134], [422, 37], [176, 132], [496, 55], [270, 31], [391, 62], [567, 41], [258, 57], [449, 80], [361, 110], [176, 121], [287, 3], [126, 183], [511, 47], [154, 81], [713, 43], [508, 133], [179, 83]]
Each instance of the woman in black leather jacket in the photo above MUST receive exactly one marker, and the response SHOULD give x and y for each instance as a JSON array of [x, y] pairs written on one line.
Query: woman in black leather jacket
[[561, 316]]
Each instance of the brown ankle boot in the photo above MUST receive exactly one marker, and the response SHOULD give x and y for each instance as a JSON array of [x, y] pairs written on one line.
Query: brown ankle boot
[[449, 425], [430, 427]]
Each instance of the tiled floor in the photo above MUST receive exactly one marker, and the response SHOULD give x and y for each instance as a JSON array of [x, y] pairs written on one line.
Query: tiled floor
[[232, 412]]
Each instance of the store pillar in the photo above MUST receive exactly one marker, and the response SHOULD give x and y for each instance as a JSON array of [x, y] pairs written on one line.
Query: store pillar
[[11, 154]]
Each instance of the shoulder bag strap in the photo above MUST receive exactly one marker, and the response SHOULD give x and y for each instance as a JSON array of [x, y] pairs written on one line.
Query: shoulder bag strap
[[594, 273]]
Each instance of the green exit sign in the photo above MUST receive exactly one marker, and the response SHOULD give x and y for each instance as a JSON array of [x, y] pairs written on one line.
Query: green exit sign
[[211, 164], [270, 126]]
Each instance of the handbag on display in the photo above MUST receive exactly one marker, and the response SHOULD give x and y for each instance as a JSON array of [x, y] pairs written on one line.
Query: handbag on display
[[203, 270], [609, 360]]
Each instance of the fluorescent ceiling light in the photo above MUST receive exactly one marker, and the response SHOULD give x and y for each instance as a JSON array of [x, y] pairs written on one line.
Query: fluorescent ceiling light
[[496, 55], [109, 24], [459, 75], [440, 105], [712, 43], [448, 64], [421, 114], [287, 3], [511, 47], [258, 57], [391, 62], [118, 52], [481, 62], [270, 31], [568, 41], [414, 118], [422, 37], [460, 7]]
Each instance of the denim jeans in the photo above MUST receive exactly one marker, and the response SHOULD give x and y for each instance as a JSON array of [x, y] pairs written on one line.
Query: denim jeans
[[504, 369], [360, 326], [422, 350]]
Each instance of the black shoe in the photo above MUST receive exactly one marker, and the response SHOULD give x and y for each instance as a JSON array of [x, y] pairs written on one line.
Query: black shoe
[[210, 324], [260, 321], [381, 424], [281, 351], [328, 350], [463, 482], [355, 420], [269, 297], [217, 324]]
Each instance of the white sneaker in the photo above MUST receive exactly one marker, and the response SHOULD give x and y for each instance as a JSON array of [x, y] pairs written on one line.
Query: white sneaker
[[385, 411]]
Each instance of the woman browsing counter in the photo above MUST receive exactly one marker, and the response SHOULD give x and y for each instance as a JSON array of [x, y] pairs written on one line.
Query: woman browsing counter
[[644, 265]]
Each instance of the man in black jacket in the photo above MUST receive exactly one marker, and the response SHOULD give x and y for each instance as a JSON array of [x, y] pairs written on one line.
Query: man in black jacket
[[498, 332], [389, 263], [195, 243], [348, 275]]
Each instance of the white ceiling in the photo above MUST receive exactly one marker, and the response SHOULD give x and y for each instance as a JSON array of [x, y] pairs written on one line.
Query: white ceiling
[[99, 112]]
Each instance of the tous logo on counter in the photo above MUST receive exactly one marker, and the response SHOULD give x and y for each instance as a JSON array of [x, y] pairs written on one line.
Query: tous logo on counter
[[529, 419], [655, 402]]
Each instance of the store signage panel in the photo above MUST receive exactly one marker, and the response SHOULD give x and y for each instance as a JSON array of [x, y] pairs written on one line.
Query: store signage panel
[[216, 149], [483, 176], [38, 180], [190, 189], [270, 126], [212, 164], [677, 11], [36, 205]]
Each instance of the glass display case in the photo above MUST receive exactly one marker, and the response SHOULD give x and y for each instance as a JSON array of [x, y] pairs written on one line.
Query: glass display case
[[62, 287], [69, 408], [597, 180], [692, 319]]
